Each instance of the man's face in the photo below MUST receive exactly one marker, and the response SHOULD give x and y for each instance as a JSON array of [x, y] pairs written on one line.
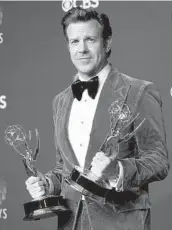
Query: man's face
[[86, 47]]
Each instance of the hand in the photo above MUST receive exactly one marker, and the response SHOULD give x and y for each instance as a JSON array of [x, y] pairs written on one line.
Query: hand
[[105, 166], [37, 186]]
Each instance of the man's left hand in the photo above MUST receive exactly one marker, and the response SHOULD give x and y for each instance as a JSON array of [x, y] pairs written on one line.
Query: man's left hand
[[105, 166]]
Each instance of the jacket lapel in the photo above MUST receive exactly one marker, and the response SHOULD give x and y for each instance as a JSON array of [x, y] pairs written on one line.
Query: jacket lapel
[[65, 145], [114, 89]]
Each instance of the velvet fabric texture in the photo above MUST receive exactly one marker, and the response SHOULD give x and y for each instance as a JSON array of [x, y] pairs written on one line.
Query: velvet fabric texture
[[144, 156]]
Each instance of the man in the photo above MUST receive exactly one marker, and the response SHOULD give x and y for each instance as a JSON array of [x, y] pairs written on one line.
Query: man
[[82, 121]]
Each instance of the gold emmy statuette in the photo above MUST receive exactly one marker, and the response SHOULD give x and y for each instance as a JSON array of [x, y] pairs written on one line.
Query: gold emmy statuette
[[46, 206]]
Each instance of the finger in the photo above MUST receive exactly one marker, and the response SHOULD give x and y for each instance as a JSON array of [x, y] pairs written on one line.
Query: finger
[[101, 165], [36, 190], [32, 180], [96, 171], [98, 163], [98, 160], [99, 154], [35, 185], [93, 164], [41, 176], [104, 157], [37, 195]]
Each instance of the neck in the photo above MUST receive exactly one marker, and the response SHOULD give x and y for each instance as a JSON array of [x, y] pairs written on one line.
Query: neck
[[87, 77]]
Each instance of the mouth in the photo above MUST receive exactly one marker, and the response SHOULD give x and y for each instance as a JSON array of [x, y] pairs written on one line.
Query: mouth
[[84, 58]]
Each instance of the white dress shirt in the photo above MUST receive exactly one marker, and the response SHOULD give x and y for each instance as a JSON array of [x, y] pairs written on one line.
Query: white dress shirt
[[81, 120]]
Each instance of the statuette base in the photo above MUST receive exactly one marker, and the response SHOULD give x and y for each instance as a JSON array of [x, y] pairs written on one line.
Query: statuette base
[[45, 207]]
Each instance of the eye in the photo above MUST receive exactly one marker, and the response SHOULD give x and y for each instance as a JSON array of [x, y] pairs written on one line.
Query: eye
[[74, 42], [92, 40]]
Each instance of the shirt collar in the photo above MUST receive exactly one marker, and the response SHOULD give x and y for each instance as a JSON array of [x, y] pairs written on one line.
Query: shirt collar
[[102, 75]]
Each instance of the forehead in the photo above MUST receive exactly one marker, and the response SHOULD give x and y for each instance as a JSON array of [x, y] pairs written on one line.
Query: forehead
[[88, 28]]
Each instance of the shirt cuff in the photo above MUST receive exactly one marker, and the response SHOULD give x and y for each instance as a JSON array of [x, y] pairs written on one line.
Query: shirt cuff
[[117, 183]]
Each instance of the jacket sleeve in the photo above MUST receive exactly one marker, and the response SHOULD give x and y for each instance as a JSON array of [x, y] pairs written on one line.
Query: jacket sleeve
[[54, 176], [152, 161]]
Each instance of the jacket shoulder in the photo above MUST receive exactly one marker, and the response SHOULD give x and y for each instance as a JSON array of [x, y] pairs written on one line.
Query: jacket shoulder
[[59, 98], [135, 82], [145, 88]]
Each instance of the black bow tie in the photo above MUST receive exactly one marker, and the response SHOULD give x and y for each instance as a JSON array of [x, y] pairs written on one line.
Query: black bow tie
[[92, 85]]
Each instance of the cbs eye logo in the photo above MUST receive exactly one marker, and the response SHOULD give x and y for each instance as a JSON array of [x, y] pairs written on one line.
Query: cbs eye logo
[[69, 4]]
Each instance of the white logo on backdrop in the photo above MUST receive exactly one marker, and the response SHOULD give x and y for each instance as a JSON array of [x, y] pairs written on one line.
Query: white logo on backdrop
[[3, 194], [85, 4]]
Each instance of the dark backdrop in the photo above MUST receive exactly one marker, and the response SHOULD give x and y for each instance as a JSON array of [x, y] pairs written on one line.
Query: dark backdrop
[[35, 66]]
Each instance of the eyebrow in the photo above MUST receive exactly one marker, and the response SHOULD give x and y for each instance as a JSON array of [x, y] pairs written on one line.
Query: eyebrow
[[89, 36]]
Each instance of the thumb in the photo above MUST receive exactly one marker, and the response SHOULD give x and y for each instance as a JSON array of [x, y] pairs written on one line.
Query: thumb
[[44, 180], [41, 176]]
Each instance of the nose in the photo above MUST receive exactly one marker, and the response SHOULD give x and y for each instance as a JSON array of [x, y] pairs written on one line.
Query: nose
[[82, 47]]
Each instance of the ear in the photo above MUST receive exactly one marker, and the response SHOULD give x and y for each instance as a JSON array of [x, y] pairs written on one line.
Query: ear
[[108, 44]]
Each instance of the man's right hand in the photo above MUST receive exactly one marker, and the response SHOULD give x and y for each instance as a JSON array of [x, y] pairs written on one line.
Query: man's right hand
[[37, 186]]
